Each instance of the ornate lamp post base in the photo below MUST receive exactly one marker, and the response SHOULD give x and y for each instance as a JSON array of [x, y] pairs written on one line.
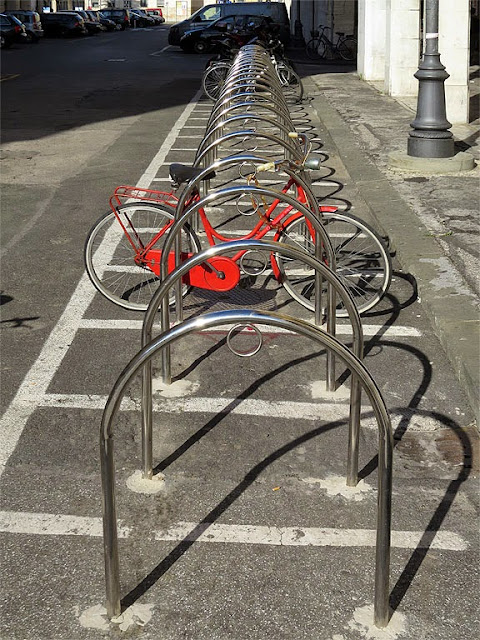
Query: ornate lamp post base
[[430, 137]]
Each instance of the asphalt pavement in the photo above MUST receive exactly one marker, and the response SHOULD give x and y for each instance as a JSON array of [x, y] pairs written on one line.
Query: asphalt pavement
[[254, 533]]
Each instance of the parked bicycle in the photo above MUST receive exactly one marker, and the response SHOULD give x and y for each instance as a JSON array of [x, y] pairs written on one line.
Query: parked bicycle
[[218, 68], [320, 46], [123, 251]]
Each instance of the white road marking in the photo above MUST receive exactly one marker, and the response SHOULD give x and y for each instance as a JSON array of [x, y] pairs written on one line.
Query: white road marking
[[342, 329], [57, 344], [66, 525], [279, 409], [307, 536], [51, 524]]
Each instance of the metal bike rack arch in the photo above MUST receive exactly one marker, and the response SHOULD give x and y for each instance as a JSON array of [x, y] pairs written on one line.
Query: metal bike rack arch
[[325, 244], [283, 131], [209, 154], [111, 552], [160, 300], [292, 170], [219, 115]]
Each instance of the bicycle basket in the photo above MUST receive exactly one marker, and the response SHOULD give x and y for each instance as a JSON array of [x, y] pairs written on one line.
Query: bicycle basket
[[314, 33]]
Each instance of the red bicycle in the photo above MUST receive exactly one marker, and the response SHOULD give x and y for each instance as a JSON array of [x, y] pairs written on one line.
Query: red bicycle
[[124, 248]]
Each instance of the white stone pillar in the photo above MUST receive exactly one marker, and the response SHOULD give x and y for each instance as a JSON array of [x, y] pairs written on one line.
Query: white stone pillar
[[371, 39], [454, 48], [402, 47]]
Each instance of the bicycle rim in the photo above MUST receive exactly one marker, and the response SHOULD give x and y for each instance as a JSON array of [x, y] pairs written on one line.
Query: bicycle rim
[[109, 256], [214, 79], [347, 49], [363, 264], [312, 49], [291, 82]]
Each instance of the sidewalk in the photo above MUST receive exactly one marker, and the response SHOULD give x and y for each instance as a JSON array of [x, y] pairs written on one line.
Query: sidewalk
[[431, 221]]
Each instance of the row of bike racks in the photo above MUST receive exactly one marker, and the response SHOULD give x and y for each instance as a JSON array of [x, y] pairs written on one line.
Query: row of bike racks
[[250, 133]]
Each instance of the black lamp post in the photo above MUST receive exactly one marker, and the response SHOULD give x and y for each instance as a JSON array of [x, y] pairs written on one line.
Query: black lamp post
[[430, 137]]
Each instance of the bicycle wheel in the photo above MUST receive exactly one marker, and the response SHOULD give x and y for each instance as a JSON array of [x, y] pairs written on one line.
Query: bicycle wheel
[[109, 256], [363, 263], [214, 79], [347, 49], [291, 82], [311, 49]]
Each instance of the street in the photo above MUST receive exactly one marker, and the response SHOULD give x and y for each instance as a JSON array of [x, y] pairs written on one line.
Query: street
[[251, 448]]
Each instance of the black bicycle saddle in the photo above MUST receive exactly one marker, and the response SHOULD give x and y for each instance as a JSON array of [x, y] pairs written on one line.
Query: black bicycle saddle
[[181, 173]]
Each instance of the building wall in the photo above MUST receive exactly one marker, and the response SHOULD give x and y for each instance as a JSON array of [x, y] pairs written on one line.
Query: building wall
[[390, 39]]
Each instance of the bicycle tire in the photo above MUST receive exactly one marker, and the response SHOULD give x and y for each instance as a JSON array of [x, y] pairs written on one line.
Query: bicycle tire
[[347, 49], [109, 256], [363, 262], [290, 81], [214, 79], [311, 49]]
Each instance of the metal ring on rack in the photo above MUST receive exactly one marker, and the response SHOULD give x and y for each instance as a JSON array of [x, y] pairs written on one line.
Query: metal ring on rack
[[253, 205], [252, 171], [247, 147], [255, 256], [238, 329]]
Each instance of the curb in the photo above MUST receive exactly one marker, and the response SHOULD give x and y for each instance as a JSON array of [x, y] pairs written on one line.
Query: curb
[[447, 300]]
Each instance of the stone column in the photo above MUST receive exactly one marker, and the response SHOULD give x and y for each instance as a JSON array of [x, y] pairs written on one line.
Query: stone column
[[371, 39], [402, 47], [454, 37]]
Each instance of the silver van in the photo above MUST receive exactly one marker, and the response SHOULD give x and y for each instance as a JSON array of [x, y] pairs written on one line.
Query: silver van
[[204, 17]]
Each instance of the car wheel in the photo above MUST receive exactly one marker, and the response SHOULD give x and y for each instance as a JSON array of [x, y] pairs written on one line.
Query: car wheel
[[4, 43], [30, 38], [200, 46]]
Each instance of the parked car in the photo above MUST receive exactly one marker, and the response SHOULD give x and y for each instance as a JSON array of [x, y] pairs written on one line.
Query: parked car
[[109, 25], [139, 19], [207, 14], [242, 27], [11, 30], [92, 25], [31, 20], [119, 16], [155, 12], [63, 25], [152, 16]]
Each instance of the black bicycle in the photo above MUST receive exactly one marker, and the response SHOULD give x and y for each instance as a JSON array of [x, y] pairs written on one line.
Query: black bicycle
[[322, 47]]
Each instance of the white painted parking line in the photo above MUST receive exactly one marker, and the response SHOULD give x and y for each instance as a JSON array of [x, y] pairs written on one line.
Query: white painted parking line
[[51, 524], [307, 536], [66, 525], [332, 407], [57, 344], [336, 409], [341, 329]]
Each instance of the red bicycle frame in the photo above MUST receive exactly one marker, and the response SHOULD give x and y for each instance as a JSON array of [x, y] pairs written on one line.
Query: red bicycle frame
[[216, 274]]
